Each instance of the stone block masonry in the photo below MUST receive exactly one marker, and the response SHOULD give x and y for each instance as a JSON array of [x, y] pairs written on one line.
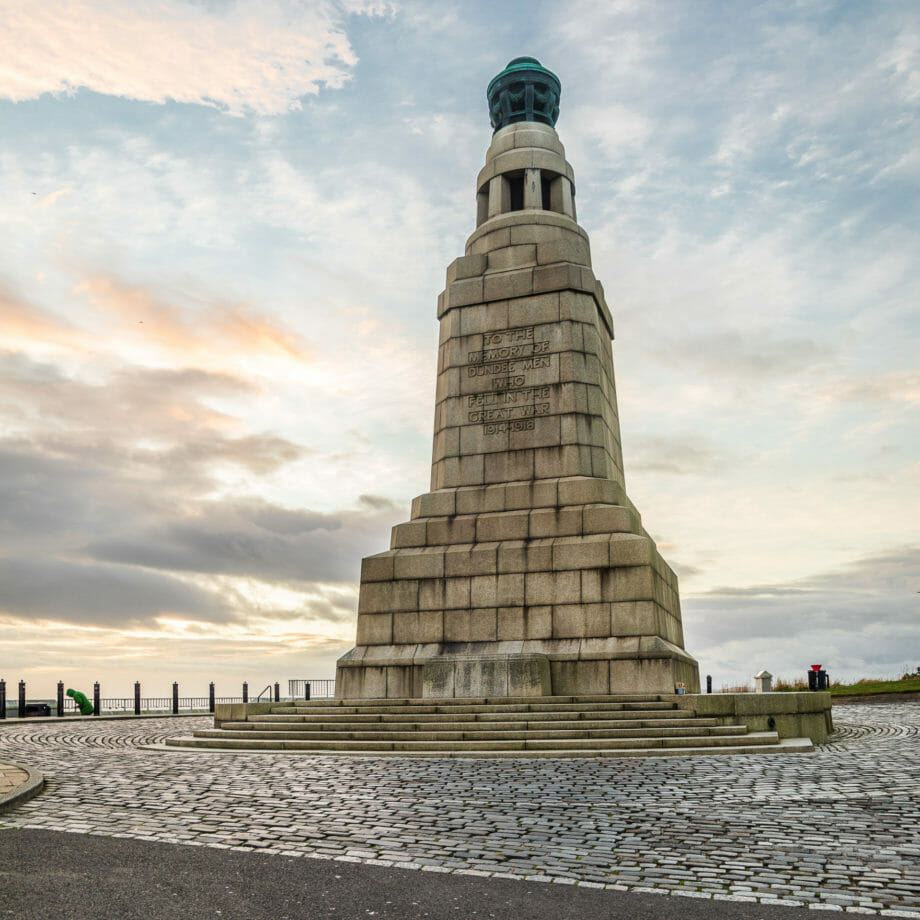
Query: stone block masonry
[[525, 570]]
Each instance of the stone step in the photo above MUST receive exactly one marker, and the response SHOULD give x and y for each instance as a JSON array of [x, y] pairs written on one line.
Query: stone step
[[663, 717], [523, 724], [399, 702], [387, 708], [743, 746], [241, 730], [526, 743]]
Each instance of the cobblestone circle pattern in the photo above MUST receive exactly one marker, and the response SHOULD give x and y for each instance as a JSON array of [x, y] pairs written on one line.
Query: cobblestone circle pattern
[[835, 830]]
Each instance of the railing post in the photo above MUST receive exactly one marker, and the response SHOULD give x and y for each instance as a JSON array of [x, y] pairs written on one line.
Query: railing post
[[307, 694], [277, 692], [2, 699], [709, 683], [22, 699], [175, 698], [211, 697], [137, 697], [245, 692], [60, 698], [97, 704]]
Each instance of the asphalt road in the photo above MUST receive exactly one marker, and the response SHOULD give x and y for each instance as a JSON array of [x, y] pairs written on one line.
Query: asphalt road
[[48, 875]]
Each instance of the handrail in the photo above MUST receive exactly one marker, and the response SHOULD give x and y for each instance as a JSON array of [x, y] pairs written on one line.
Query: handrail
[[269, 690]]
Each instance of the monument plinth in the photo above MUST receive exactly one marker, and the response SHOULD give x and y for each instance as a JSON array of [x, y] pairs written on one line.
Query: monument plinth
[[525, 571]]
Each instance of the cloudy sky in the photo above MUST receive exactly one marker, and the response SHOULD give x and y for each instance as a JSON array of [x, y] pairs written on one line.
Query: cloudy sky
[[225, 226]]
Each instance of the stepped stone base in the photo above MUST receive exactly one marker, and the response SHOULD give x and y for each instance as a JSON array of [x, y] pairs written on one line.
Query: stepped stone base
[[559, 568], [560, 726]]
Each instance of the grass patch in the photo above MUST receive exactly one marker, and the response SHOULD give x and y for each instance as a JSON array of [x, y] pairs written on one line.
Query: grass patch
[[866, 687]]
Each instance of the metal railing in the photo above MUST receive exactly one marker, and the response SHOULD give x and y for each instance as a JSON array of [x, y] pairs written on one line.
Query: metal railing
[[174, 704], [323, 689]]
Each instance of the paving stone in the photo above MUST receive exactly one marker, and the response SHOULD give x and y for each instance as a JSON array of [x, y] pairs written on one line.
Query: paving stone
[[835, 830]]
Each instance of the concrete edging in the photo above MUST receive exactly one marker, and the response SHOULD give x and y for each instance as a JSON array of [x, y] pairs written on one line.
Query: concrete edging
[[32, 786], [790, 714]]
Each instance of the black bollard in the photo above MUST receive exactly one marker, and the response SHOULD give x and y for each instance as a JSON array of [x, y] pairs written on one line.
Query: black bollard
[[245, 692], [137, 697], [22, 699], [97, 703], [709, 683], [175, 698], [60, 698], [2, 699], [307, 695], [277, 692], [211, 697]]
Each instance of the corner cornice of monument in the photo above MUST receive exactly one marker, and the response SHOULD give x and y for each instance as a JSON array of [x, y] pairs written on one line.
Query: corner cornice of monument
[[522, 282]]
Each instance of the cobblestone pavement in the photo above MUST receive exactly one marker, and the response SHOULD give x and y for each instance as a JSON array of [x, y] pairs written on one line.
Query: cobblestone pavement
[[835, 830]]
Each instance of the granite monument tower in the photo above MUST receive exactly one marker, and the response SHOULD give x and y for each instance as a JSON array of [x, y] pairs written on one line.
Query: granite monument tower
[[525, 570]]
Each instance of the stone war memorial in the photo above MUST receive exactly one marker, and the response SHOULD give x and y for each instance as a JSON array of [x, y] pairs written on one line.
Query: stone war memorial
[[525, 571], [522, 610]]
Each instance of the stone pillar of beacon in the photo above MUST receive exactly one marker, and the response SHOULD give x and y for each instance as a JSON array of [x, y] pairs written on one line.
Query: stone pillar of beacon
[[525, 571]]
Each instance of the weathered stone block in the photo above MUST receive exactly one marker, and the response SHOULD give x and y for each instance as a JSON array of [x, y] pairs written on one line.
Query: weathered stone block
[[502, 260], [483, 624], [466, 267], [480, 499], [609, 519], [538, 622], [471, 560], [482, 591], [581, 553], [483, 317], [512, 556], [571, 248], [511, 623], [631, 550], [435, 504], [409, 533], [485, 243], [503, 525], [377, 568], [555, 522], [471, 471], [634, 583], [505, 285], [509, 589], [524, 311], [457, 593], [458, 529], [420, 563], [504, 467], [375, 629], [578, 306], [534, 494], [431, 592], [457, 626]]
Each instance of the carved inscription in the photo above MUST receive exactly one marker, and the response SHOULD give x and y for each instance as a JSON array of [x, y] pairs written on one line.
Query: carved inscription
[[512, 401]]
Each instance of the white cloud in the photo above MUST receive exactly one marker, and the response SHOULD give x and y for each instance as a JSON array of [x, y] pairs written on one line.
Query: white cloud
[[238, 57]]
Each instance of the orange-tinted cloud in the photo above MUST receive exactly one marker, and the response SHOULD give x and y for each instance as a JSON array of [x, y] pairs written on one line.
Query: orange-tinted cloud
[[24, 324], [191, 335]]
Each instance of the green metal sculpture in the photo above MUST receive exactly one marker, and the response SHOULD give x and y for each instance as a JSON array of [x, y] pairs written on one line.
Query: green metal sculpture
[[83, 704], [524, 91]]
